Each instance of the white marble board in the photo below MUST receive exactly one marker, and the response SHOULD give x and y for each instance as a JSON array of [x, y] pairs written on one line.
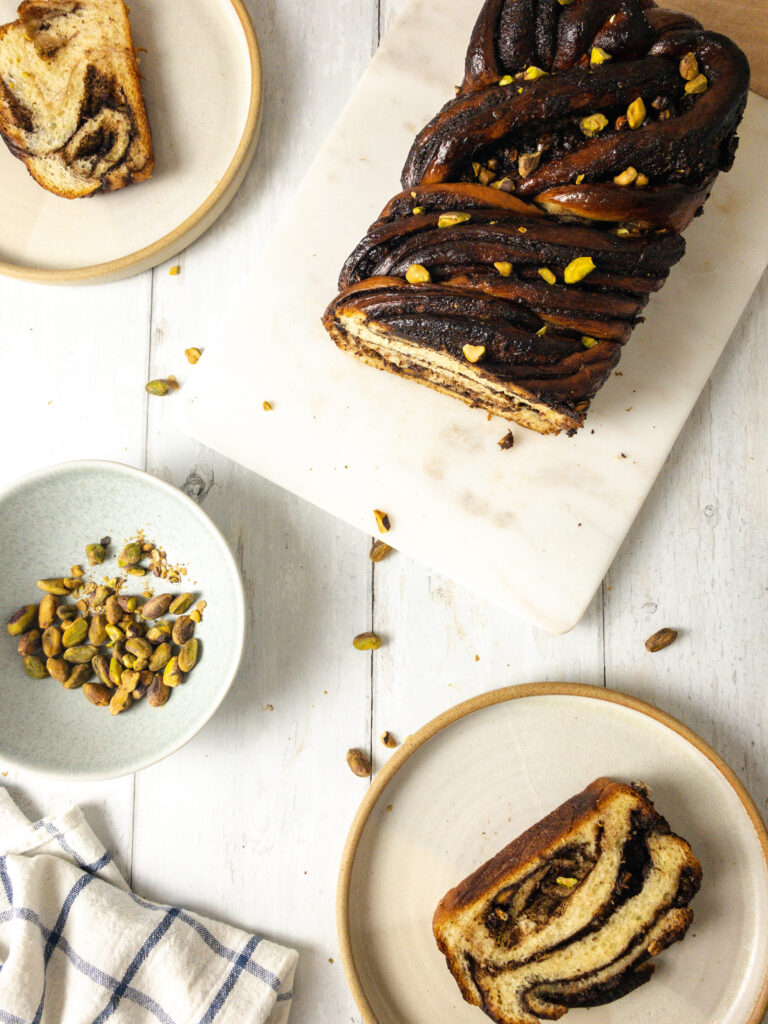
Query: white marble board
[[535, 528]]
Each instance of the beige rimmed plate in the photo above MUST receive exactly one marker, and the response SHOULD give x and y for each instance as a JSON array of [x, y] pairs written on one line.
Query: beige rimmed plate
[[475, 777], [202, 85]]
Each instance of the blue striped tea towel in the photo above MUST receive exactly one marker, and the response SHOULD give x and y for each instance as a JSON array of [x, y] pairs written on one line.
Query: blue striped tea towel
[[78, 947]]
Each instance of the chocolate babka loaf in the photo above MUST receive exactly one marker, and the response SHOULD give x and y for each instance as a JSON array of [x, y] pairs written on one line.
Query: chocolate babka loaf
[[571, 911], [544, 204], [71, 105]]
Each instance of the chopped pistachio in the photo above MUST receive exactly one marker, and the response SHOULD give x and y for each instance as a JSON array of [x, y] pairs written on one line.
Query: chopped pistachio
[[505, 80], [579, 178], [588, 342], [193, 355], [527, 164], [266, 406], [382, 520], [592, 124], [449, 220], [503, 185], [541, 331], [697, 85], [568, 883], [417, 210], [504, 268], [626, 177], [636, 113], [623, 232], [473, 353], [532, 73], [689, 67], [578, 269], [417, 274], [598, 55], [641, 180], [546, 274]]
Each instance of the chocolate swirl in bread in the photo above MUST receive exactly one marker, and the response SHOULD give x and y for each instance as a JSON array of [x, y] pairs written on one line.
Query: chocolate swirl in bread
[[570, 913], [71, 105], [587, 132]]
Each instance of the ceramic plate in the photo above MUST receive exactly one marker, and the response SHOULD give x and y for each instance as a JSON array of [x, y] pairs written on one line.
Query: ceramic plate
[[470, 781], [202, 85], [45, 522]]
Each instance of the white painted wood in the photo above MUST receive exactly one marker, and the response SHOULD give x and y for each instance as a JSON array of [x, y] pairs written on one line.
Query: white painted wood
[[268, 791]]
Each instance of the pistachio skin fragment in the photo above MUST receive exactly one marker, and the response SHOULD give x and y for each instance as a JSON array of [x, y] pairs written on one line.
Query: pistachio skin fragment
[[58, 669], [158, 693], [359, 763], [367, 642], [157, 606], [97, 694], [187, 656], [661, 639], [46, 615], [54, 586], [34, 667], [181, 604], [22, 619], [52, 642], [80, 654]]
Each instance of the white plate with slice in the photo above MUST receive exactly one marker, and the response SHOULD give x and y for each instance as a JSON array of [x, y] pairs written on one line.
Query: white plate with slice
[[476, 777], [201, 77]]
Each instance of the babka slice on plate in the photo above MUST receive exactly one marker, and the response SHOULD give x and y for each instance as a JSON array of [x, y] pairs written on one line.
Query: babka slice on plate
[[544, 204], [71, 105], [570, 913]]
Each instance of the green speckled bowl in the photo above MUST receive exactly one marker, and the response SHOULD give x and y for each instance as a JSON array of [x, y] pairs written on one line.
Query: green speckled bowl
[[45, 522]]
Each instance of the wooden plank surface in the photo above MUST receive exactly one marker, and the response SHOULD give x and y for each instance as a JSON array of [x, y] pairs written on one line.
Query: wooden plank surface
[[247, 822]]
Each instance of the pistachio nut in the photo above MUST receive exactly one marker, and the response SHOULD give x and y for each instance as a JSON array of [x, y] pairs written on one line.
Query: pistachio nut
[[114, 634], [697, 85], [160, 657], [196, 616], [359, 763], [139, 647], [187, 656], [181, 604], [379, 550], [566, 881], [54, 586], [172, 674], [157, 693], [129, 681], [95, 553], [97, 694], [145, 679], [135, 630], [527, 163], [22, 619], [100, 665], [128, 660], [128, 604], [58, 669], [626, 177], [159, 388], [140, 664], [504, 268], [46, 614], [28, 642], [65, 613], [593, 124], [136, 570], [636, 113], [689, 67], [546, 275], [598, 55], [367, 642], [183, 628], [75, 633], [115, 671], [130, 555], [34, 667], [97, 631], [52, 642], [661, 639], [80, 654], [112, 610], [157, 606], [473, 353], [192, 354], [121, 700], [73, 583], [449, 220], [159, 633], [139, 691], [99, 596], [417, 274], [80, 674]]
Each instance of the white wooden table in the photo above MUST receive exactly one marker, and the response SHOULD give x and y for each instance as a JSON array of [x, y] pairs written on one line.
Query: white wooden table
[[270, 788]]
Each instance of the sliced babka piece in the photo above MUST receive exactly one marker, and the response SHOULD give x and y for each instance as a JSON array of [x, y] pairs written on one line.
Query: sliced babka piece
[[570, 913], [543, 204], [71, 105]]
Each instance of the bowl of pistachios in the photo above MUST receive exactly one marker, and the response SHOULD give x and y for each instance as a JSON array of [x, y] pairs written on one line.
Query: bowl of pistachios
[[124, 619]]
